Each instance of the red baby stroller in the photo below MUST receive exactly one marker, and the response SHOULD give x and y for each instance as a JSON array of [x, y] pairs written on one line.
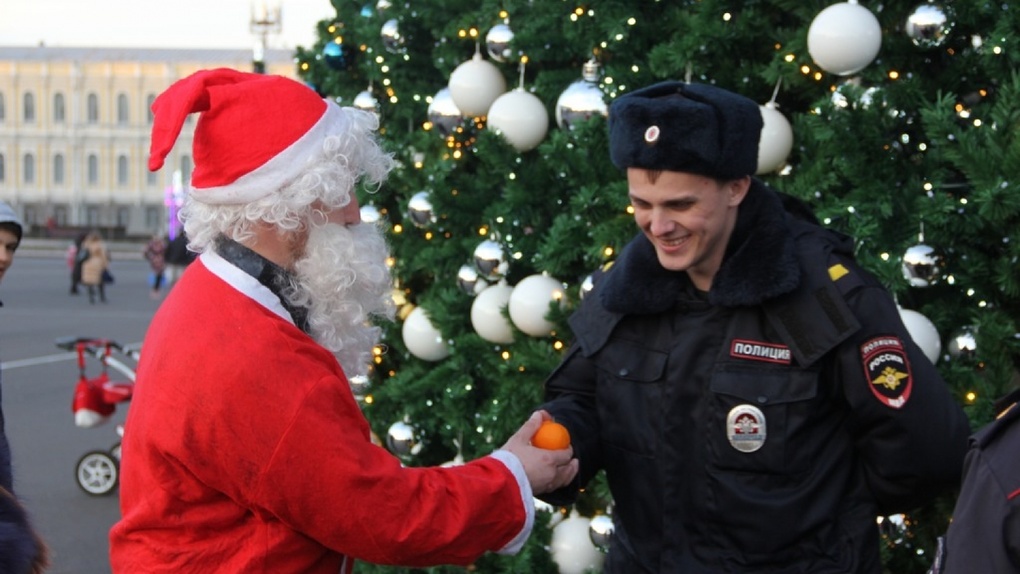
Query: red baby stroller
[[95, 401]]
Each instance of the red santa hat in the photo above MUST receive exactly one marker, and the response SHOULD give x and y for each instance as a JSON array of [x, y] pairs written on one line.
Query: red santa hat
[[254, 135]]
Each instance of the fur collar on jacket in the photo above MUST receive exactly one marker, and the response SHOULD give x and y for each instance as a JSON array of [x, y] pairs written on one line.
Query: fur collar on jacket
[[760, 264]]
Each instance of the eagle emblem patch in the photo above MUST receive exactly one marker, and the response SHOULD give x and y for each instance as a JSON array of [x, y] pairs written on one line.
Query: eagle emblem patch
[[888, 370]]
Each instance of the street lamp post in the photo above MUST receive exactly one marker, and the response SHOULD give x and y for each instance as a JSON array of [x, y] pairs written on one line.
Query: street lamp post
[[264, 21]]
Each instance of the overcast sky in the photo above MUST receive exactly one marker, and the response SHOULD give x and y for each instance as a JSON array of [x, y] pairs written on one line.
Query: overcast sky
[[154, 23]]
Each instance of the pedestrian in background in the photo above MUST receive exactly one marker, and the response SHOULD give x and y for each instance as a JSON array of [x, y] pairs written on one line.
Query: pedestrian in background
[[155, 254], [177, 257], [22, 551], [75, 258], [95, 272]]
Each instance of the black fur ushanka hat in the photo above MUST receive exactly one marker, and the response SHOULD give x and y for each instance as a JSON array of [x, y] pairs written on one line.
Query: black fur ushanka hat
[[677, 126]]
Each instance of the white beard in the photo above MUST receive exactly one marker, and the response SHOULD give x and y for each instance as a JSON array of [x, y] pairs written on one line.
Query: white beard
[[343, 282]]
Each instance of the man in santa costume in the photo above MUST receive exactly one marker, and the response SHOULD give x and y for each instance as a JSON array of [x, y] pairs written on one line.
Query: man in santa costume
[[244, 448]]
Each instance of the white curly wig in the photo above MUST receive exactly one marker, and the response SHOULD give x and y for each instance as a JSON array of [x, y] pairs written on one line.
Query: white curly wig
[[329, 178]]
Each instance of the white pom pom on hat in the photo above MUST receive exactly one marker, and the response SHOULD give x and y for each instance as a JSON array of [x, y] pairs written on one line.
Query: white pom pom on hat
[[254, 135]]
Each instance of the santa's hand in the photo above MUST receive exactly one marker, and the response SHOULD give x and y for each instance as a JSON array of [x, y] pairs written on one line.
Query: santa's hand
[[547, 470]]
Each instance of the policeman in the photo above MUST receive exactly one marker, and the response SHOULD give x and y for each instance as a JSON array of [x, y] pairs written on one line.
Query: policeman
[[749, 390], [985, 533]]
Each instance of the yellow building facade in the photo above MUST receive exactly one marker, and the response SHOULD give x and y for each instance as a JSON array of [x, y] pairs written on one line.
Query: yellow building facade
[[74, 133]]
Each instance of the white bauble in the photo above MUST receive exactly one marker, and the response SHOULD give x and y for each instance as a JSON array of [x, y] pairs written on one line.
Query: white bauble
[[529, 304], [474, 85], [923, 332], [572, 548], [776, 139], [521, 118], [844, 38], [422, 339], [487, 314]]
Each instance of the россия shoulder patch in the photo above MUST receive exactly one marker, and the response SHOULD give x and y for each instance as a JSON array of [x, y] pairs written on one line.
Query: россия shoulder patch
[[888, 370]]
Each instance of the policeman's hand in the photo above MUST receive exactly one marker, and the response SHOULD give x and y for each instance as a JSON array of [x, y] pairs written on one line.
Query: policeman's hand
[[547, 470]]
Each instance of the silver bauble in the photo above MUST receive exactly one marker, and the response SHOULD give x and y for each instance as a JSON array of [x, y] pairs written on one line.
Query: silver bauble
[[921, 265], [490, 260], [444, 113], [366, 101], [370, 213], [928, 25], [581, 100], [497, 42], [469, 281], [360, 384], [600, 530], [963, 345], [586, 286], [419, 209], [392, 39], [400, 438]]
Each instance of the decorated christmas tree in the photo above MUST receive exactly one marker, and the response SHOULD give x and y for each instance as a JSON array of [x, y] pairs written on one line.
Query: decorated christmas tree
[[897, 122]]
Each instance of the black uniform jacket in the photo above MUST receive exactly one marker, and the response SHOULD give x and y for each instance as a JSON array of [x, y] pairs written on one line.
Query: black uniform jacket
[[985, 533], [760, 427]]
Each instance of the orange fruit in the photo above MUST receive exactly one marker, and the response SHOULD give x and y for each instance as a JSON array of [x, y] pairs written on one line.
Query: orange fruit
[[551, 436]]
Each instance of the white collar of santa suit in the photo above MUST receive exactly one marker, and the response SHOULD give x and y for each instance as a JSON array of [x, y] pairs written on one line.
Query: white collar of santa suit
[[250, 286]]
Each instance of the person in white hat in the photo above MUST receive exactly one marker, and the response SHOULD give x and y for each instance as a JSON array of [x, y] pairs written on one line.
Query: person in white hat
[[22, 551], [244, 448]]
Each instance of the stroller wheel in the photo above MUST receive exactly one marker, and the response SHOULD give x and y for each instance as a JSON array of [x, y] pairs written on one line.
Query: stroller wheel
[[97, 473]]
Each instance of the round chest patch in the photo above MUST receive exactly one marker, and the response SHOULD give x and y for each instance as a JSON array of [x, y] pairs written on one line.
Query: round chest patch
[[745, 428]]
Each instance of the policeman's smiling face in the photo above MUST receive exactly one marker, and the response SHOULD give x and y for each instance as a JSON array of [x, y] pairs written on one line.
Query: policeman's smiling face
[[687, 217]]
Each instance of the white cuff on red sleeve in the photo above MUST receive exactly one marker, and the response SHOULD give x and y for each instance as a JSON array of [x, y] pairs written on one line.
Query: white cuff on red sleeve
[[527, 497]]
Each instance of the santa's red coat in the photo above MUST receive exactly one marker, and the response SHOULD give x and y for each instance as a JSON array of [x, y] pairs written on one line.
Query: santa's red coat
[[245, 451]]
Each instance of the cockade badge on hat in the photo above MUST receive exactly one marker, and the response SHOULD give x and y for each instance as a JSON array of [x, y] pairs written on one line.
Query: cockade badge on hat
[[652, 135]]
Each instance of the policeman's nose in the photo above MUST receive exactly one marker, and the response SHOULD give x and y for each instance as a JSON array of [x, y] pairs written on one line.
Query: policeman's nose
[[661, 225]]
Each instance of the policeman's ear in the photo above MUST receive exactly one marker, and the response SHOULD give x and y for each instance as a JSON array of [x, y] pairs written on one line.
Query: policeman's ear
[[736, 190]]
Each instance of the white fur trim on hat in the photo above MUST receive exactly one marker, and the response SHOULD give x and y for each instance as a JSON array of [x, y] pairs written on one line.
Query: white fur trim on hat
[[282, 168]]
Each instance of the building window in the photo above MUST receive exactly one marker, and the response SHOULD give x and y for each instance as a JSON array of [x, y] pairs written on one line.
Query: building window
[[122, 170], [60, 214], [2, 107], [123, 217], [29, 111], [92, 216], [122, 109], [28, 173], [58, 109], [1, 167], [151, 178], [149, 100], [153, 217], [92, 113], [58, 169], [93, 169]]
